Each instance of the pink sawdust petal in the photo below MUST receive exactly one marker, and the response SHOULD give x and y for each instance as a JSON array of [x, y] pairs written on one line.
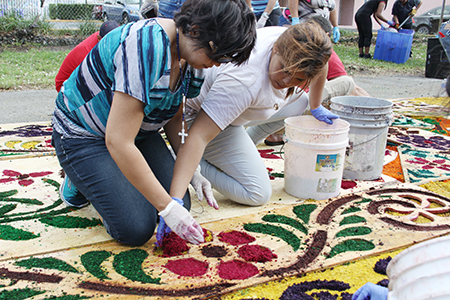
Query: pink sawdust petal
[[427, 167], [236, 269], [40, 174], [187, 267], [267, 153], [256, 253], [235, 237], [25, 182], [4, 180], [11, 173], [439, 161]]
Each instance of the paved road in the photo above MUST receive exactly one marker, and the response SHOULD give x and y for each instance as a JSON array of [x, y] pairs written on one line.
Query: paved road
[[38, 105]]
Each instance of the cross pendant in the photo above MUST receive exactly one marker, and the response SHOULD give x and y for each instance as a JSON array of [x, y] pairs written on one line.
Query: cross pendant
[[183, 134]]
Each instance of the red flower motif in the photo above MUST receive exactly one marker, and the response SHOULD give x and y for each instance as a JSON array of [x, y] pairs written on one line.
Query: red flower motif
[[23, 179], [268, 153]]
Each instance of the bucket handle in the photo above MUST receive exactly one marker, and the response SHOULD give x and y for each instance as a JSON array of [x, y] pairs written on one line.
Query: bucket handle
[[351, 146]]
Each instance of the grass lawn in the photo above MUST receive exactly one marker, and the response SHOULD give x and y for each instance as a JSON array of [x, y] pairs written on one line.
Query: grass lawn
[[35, 67]]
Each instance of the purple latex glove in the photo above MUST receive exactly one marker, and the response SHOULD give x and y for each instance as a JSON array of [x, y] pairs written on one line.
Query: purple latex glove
[[163, 229], [324, 115], [371, 291]]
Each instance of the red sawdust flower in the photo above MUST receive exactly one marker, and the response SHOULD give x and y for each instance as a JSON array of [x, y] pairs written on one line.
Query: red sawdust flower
[[23, 179]]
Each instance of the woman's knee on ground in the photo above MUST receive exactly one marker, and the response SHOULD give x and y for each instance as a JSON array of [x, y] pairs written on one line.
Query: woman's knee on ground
[[133, 232], [257, 195]]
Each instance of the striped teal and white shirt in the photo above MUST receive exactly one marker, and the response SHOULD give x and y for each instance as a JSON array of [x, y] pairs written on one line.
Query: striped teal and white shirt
[[260, 5], [134, 59]]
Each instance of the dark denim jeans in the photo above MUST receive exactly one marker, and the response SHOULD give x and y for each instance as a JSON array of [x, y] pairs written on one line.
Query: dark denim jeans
[[127, 215], [168, 8], [274, 17]]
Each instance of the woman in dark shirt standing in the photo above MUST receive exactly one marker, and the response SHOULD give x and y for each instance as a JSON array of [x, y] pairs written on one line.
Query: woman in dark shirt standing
[[364, 23]]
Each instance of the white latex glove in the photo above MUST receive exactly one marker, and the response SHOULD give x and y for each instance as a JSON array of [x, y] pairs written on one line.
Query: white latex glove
[[182, 223], [262, 20], [203, 187]]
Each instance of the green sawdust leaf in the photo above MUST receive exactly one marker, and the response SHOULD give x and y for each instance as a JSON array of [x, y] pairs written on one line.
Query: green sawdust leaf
[[7, 208], [5, 196], [364, 200], [353, 231], [8, 194], [304, 211], [92, 260], [351, 210], [10, 233], [285, 220], [352, 220], [277, 231], [19, 294], [129, 264], [351, 245], [68, 297], [70, 222], [46, 263]]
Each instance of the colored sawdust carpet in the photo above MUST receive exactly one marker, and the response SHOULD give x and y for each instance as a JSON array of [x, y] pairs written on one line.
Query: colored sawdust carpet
[[289, 247]]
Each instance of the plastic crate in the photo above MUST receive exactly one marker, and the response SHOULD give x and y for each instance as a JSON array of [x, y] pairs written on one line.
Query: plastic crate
[[394, 46]]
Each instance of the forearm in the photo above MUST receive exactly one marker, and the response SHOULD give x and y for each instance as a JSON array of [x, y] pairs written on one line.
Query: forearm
[[293, 8], [202, 131], [270, 6], [334, 18], [134, 167], [316, 89]]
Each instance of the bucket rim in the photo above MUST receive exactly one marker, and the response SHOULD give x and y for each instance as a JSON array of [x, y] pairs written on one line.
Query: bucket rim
[[388, 104], [345, 128]]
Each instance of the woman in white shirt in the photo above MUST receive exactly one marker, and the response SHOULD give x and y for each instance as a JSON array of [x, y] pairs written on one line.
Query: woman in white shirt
[[258, 95]]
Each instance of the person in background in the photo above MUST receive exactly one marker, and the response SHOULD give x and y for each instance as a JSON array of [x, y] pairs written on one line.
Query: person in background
[[168, 8], [267, 12], [402, 9], [338, 82], [109, 112], [258, 95], [149, 9], [364, 23], [300, 9], [76, 56]]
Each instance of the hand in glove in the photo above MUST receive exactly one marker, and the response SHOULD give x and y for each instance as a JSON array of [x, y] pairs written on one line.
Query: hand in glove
[[391, 23], [202, 187], [262, 20], [295, 21], [371, 291], [181, 222], [413, 12], [336, 34], [324, 115], [163, 229]]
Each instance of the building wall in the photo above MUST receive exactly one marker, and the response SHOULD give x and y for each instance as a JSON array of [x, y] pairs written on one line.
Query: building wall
[[347, 8]]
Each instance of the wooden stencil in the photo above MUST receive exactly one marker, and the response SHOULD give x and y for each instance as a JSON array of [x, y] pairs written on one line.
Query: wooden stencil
[[419, 138], [33, 219], [422, 166], [304, 237], [25, 140]]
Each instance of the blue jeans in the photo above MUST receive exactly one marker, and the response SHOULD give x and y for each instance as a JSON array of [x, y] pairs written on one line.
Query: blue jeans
[[168, 8], [127, 215]]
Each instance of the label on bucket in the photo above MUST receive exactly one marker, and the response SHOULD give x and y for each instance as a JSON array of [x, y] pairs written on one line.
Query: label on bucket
[[328, 163], [326, 185]]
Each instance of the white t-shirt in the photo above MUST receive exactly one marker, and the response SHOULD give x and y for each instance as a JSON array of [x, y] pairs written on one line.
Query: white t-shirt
[[236, 95]]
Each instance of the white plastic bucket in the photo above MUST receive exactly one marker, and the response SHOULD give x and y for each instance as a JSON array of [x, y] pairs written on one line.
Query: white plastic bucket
[[314, 157], [421, 271], [369, 120]]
